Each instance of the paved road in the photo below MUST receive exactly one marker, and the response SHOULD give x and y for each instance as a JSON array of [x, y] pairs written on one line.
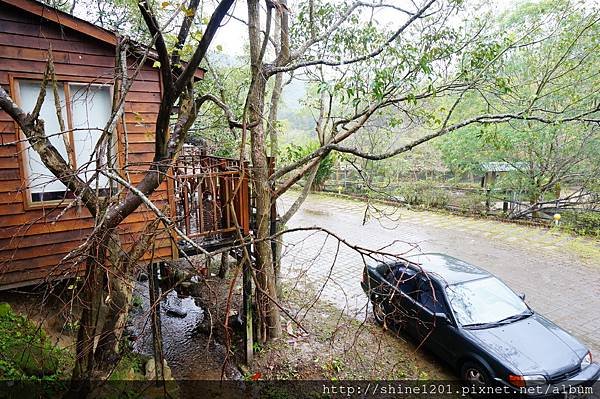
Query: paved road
[[559, 273]]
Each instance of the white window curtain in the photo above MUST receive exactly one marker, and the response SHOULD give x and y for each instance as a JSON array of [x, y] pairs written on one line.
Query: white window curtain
[[91, 106], [41, 180], [90, 111]]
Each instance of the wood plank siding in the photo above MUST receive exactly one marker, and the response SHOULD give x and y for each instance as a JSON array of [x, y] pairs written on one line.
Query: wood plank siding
[[34, 239]]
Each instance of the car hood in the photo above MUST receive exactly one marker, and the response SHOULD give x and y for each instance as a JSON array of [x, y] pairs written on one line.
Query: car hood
[[532, 346]]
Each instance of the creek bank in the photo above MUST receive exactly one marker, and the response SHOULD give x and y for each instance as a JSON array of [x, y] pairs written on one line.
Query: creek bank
[[192, 307], [27, 352]]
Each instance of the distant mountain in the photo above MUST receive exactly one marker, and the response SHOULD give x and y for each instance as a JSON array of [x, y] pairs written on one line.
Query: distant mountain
[[298, 120], [223, 59], [292, 94]]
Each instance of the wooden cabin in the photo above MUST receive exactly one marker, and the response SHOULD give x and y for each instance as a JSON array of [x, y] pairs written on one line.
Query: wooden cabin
[[38, 227]]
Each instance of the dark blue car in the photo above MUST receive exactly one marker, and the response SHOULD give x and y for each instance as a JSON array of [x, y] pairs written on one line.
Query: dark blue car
[[478, 325]]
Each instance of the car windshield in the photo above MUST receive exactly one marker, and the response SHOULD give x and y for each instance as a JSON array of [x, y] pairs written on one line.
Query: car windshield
[[484, 301]]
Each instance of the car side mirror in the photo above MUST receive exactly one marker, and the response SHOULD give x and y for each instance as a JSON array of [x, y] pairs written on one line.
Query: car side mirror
[[441, 318], [522, 296]]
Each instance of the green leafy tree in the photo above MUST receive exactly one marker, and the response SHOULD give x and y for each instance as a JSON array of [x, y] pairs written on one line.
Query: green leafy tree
[[555, 75], [293, 152]]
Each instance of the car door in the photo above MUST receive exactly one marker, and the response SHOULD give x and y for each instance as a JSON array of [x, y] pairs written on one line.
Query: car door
[[402, 302], [383, 289], [438, 333]]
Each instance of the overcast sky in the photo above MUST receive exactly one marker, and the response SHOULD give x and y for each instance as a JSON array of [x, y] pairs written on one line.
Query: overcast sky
[[233, 36]]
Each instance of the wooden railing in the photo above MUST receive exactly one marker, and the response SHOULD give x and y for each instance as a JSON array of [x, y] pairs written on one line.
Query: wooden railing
[[211, 196]]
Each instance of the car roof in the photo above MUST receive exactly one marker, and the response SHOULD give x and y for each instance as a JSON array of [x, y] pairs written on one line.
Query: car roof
[[447, 269]]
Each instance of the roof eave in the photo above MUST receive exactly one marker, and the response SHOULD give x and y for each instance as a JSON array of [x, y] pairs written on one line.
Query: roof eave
[[80, 25]]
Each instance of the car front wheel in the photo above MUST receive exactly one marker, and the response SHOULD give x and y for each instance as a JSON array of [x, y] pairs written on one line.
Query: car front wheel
[[474, 375], [378, 312]]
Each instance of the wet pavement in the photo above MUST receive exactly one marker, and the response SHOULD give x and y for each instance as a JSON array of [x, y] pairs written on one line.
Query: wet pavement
[[559, 273]]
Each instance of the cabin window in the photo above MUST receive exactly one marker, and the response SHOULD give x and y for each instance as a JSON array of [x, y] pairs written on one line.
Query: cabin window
[[85, 110]]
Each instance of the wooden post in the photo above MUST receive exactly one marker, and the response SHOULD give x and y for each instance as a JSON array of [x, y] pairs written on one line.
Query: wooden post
[[485, 184], [154, 291], [245, 204], [186, 206], [273, 225], [247, 303], [273, 231], [224, 266]]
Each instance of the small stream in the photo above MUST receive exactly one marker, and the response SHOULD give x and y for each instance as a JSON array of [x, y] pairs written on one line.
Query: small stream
[[186, 347]]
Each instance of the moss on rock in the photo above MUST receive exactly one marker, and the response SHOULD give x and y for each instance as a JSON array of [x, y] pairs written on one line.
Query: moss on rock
[[27, 353]]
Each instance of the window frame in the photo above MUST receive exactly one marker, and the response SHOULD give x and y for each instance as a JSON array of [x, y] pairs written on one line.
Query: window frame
[[429, 284], [23, 144], [411, 275]]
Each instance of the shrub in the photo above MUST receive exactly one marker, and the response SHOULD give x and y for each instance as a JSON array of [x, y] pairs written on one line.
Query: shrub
[[470, 202], [582, 222], [424, 193], [27, 353]]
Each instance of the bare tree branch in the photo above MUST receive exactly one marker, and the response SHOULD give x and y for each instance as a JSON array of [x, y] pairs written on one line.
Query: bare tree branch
[[372, 54]]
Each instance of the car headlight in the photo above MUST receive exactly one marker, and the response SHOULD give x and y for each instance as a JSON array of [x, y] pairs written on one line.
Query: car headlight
[[521, 381], [587, 360]]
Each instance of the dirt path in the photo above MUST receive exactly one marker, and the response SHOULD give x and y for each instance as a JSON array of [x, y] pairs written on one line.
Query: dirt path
[[336, 346]]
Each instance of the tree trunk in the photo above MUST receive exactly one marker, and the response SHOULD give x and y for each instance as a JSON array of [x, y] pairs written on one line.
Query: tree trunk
[[282, 45], [117, 307], [103, 318], [269, 324], [91, 300], [268, 312]]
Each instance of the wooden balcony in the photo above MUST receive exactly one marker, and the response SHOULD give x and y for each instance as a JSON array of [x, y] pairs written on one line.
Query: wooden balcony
[[211, 198]]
